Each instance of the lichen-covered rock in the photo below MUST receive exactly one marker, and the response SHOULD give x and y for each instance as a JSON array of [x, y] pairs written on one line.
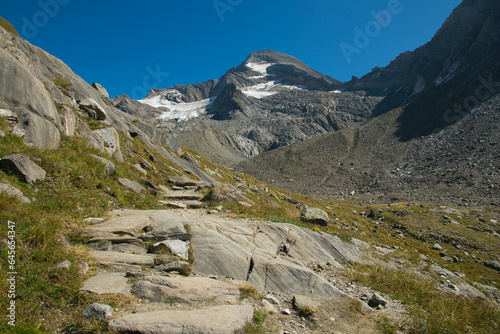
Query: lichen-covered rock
[[315, 216]]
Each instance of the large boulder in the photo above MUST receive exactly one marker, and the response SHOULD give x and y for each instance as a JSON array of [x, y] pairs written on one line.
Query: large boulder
[[101, 90], [225, 319], [23, 167], [110, 140], [93, 109], [315, 216]]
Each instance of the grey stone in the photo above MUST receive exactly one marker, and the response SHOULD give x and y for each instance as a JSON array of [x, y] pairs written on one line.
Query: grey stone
[[68, 121], [267, 306], [140, 169], [178, 266], [98, 312], [101, 245], [63, 265], [109, 167], [226, 319], [129, 268], [132, 225], [23, 167], [272, 299], [131, 185], [286, 311], [377, 300], [107, 256], [93, 109], [14, 192], [107, 283], [302, 302], [360, 243], [128, 248], [185, 290], [93, 220], [492, 264], [17, 131], [101, 90], [178, 247], [437, 247], [2, 134], [315, 216]]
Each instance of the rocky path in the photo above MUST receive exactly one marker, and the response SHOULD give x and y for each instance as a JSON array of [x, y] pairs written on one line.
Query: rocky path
[[191, 272]]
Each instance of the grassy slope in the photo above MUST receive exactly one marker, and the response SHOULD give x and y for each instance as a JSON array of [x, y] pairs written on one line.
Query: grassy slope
[[77, 187]]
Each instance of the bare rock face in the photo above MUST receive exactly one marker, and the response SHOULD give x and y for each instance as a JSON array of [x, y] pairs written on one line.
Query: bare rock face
[[23, 167], [33, 105]]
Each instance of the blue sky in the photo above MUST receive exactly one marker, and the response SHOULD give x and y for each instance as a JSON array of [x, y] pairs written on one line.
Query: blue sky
[[118, 43]]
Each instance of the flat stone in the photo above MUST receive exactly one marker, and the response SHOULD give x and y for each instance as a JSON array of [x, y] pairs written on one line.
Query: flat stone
[[23, 167], [128, 248], [131, 185], [133, 226], [107, 283], [122, 267], [174, 204], [226, 319], [118, 257], [178, 266], [185, 290]]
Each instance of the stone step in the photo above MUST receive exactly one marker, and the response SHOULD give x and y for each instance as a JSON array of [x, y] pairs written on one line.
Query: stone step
[[118, 257], [107, 283], [184, 195], [219, 319]]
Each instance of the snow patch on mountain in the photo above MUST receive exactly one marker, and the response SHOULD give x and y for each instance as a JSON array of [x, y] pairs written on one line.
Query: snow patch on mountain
[[268, 89], [260, 68], [178, 111]]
